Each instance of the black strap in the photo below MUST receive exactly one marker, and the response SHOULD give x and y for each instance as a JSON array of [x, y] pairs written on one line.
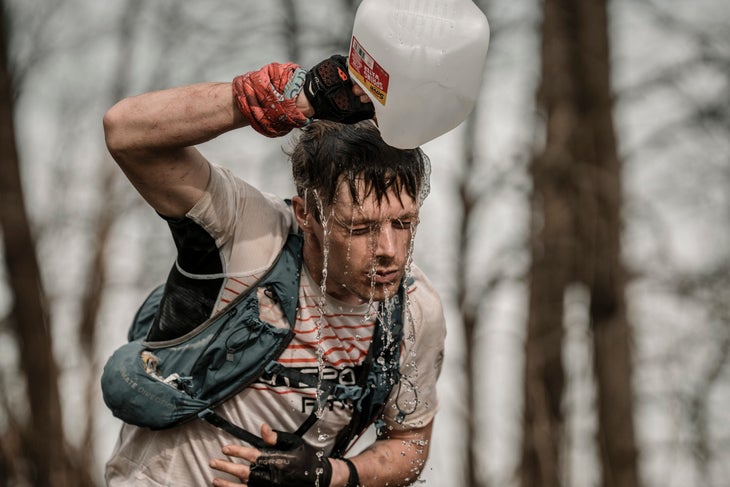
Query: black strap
[[314, 415], [325, 389], [256, 441], [354, 479], [346, 434], [240, 433], [378, 349], [308, 423]]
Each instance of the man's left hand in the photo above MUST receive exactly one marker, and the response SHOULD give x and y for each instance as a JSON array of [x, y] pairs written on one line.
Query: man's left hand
[[290, 462]]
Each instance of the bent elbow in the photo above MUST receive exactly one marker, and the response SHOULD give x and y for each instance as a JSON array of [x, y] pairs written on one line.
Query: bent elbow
[[112, 130], [117, 131]]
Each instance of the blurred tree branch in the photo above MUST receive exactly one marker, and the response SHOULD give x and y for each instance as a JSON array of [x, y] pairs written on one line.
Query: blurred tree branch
[[42, 439]]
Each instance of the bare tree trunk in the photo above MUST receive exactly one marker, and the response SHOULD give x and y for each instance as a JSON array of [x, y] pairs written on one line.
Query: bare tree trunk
[[603, 267], [544, 374], [43, 443], [576, 239], [553, 250], [467, 306]]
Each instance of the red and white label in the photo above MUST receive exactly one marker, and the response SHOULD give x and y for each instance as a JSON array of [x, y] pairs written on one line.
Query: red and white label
[[368, 72]]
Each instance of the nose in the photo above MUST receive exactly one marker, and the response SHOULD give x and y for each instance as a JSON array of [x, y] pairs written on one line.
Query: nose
[[386, 242]]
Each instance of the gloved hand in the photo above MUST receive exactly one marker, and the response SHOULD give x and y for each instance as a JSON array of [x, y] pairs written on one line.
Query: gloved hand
[[290, 463], [328, 87], [267, 98]]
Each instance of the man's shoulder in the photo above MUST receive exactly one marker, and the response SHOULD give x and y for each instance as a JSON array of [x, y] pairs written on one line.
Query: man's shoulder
[[231, 204], [420, 286], [425, 303]]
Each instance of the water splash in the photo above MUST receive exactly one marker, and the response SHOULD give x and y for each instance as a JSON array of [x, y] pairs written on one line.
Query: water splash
[[384, 312], [322, 302]]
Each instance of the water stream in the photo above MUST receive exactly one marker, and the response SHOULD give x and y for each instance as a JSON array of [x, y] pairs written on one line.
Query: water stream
[[384, 313]]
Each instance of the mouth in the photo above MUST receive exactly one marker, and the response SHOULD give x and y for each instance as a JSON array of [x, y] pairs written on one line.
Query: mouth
[[384, 276]]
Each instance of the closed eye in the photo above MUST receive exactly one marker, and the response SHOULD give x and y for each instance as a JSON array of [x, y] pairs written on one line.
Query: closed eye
[[368, 228], [402, 224], [359, 231]]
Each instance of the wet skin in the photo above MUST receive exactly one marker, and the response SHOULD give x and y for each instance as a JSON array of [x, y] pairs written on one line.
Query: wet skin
[[368, 244]]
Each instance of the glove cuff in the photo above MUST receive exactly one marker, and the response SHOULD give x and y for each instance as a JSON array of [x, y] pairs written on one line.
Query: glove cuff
[[295, 84]]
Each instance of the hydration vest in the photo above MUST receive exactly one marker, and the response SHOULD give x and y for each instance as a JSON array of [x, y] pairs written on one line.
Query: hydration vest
[[161, 384]]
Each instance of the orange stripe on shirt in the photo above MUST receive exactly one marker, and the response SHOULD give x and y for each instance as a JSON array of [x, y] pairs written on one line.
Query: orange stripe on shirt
[[241, 282], [305, 345], [330, 350], [338, 327], [309, 359], [314, 360]]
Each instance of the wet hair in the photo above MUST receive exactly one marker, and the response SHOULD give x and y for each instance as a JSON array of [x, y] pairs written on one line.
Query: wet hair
[[328, 152]]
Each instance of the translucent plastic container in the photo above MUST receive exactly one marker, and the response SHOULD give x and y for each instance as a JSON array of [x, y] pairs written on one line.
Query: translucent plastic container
[[421, 62]]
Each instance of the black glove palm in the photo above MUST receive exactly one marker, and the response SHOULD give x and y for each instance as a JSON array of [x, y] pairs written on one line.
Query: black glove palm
[[290, 463]]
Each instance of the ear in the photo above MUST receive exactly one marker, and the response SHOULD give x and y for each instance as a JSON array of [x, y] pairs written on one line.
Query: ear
[[302, 214]]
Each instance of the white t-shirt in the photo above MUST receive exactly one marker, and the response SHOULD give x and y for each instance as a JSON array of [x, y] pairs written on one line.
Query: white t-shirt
[[250, 229]]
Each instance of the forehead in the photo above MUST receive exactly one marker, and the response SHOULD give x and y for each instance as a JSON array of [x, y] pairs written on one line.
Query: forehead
[[369, 206]]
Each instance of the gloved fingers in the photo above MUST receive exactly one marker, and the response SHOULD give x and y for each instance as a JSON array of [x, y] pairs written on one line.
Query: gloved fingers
[[362, 94]]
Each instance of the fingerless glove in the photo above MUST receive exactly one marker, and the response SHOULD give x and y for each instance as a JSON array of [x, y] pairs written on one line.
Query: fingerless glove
[[290, 463]]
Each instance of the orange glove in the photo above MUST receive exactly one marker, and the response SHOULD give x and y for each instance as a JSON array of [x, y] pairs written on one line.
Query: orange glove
[[267, 98]]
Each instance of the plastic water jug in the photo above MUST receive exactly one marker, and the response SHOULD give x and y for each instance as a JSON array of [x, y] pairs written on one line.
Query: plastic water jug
[[421, 62]]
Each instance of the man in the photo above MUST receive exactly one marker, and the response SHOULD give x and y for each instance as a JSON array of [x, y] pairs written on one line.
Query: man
[[357, 207]]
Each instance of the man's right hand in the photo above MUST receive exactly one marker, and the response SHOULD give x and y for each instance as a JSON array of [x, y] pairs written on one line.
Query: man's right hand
[[331, 92]]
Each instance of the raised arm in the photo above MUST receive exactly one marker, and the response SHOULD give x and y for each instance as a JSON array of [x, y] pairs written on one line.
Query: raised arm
[[152, 138]]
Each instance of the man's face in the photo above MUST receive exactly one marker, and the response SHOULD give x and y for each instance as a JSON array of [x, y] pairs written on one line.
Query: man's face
[[367, 245]]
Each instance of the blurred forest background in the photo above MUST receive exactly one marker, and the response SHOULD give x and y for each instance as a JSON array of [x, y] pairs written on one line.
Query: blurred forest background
[[577, 230]]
